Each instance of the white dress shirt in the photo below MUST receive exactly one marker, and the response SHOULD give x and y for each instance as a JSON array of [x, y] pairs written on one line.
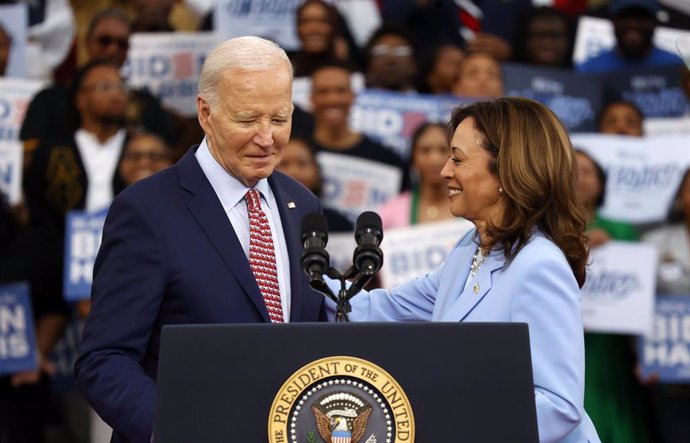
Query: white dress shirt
[[100, 163], [231, 192]]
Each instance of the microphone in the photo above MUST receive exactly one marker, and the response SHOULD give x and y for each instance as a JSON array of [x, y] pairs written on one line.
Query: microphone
[[315, 259], [368, 257]]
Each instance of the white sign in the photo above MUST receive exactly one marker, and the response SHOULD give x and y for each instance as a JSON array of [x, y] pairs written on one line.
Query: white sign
[[618, 295], [341, 246], [666, 126], [169, 65], [643, 173], [353, 185], [273, 20], [595, 35], [15, 95], [14, 19], [416, 250]]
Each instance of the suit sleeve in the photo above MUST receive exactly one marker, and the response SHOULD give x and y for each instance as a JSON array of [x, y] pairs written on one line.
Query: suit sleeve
[[547, 298], [127, 292]]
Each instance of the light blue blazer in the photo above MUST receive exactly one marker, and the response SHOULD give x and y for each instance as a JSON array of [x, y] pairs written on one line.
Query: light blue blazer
[[537, 288]]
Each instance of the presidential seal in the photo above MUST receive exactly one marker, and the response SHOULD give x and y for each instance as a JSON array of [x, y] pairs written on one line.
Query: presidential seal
[[341, 400]]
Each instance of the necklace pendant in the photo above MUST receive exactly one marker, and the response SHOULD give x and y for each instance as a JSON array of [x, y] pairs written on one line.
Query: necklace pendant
[[476, 288]]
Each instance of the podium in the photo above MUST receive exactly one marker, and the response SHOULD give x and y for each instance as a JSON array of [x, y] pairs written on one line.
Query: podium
[[347, 382]]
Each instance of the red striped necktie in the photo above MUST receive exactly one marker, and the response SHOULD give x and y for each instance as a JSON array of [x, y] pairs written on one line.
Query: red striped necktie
[[262, 258]]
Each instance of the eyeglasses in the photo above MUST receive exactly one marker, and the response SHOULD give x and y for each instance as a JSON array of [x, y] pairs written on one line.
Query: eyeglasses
[[106, 87], [155, 157], [106, 40], [395, 51]]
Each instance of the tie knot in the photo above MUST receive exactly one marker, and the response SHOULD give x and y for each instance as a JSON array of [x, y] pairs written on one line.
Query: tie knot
[[253, 199]]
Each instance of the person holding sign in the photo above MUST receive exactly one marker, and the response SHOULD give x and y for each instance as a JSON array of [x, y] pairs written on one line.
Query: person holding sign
[[511, 172], [177, 247], [613, 395]]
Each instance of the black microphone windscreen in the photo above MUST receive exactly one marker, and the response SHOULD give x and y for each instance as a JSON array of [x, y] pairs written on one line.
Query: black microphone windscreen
[[314, 222], [369, 220]]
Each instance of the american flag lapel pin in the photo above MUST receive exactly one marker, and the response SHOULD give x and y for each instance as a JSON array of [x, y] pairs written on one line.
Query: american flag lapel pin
[[291, 205]]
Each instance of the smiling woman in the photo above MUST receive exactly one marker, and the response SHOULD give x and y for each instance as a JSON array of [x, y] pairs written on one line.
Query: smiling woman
[[512, 173]]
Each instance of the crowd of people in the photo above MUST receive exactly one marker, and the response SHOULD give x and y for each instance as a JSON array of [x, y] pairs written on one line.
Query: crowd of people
[[88, 136]]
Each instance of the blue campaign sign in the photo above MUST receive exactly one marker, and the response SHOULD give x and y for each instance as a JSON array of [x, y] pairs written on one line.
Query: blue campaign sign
[[83, 233], [656, 91], [391, 117], [17, 337], [574, 97], [666, 352]]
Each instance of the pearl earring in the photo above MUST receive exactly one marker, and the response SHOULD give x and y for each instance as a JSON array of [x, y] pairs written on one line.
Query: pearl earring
[[500, 190]]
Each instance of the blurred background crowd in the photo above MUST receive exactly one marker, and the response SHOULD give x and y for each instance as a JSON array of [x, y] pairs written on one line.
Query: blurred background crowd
[[88, 129]]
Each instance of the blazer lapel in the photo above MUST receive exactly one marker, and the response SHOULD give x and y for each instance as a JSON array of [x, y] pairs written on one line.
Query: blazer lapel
[[475, 291], [208, 212]]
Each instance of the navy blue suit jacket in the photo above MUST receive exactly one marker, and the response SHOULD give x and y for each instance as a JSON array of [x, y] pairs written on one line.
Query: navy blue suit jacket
[[170, 256]]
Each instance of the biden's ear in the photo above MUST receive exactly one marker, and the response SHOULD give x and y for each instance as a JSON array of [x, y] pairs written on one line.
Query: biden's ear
[[203, 112]]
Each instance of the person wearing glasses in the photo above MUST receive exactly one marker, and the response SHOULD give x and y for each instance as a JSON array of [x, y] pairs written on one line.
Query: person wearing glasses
[[107, 39], [390, 62]]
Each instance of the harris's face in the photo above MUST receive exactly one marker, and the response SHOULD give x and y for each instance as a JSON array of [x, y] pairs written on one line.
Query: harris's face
[[472, 188], [249, 126]]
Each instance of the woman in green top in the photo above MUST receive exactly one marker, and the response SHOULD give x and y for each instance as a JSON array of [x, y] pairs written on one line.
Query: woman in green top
[[613, 395]]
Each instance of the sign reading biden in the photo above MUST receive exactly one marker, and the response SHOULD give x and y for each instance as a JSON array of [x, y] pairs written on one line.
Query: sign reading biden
[[391, 117], [17, 338], [618, 295], [666, 351], [416, 250], [82, 239], [169, 65]]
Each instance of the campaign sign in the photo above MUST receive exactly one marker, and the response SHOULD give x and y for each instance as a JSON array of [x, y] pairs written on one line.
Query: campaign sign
[[14, 19], [341, 247], [83, 232], [416, 250], [643, 173], [353, 185], [64, 355], [270, 19], [666, 126], [574, 101], [656, 91], [618, 295], [595, 35], [391, 117], [168, 65], [665, 352], [17, 336], [15, 95]]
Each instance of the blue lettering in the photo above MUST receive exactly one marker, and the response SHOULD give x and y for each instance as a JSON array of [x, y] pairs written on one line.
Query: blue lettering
[[6, 173], [5, 109], [646, 177], [159, 66], [611, 284]]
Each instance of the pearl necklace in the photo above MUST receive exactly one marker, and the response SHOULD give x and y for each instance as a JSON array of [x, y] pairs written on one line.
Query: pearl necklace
[[477, 260]]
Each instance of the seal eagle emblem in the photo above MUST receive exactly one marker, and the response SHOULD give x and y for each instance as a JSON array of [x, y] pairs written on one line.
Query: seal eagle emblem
[[341, 418]]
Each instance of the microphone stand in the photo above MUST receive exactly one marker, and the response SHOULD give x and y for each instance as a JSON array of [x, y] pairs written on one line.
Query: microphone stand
[[342, 300]]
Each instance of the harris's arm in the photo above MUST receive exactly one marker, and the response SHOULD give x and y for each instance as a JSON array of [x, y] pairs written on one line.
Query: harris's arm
[[127, 292], [547, 298]]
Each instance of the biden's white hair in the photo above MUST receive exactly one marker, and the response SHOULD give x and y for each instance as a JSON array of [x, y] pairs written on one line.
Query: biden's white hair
[[247, 53]]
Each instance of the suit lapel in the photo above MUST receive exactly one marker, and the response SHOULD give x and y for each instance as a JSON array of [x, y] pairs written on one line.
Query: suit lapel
[[475, 291], [208, 212]]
